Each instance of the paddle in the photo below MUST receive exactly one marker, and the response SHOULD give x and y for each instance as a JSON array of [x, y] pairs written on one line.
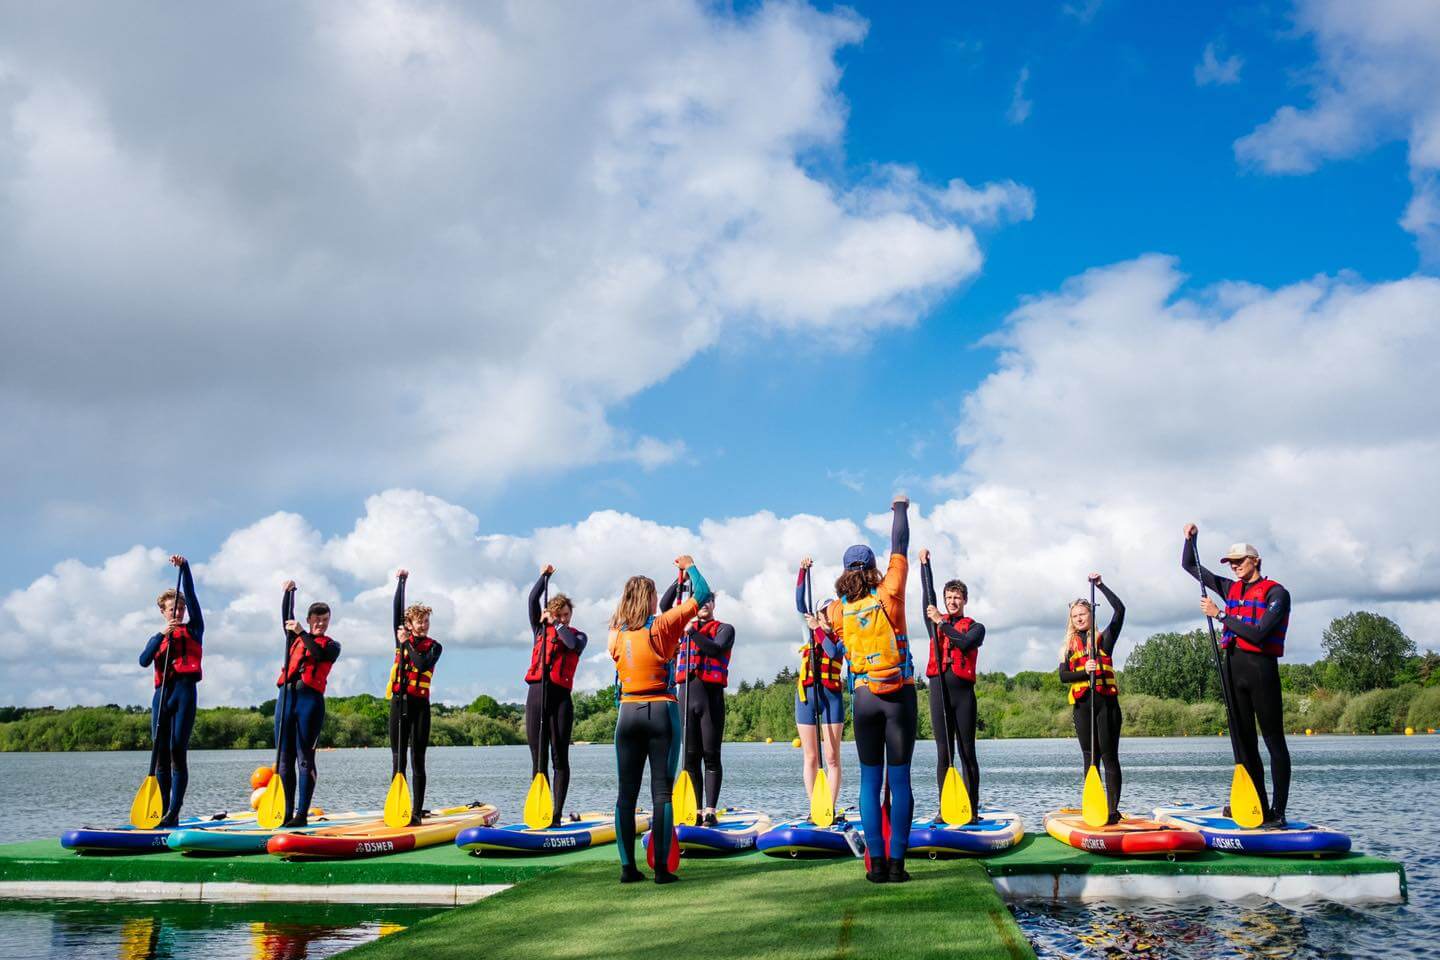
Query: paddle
[[539, 802], [1246, 807], [687, 805], [955, 807], [398, 809], [822, 803], [148, 807], [1094, 806], [672, 855], [270, 813]]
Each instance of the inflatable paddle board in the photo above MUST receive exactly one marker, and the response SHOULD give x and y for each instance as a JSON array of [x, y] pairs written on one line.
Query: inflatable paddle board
[[1131, 837], [996, 830], [801, 839], [374, 839], [128, 839], [591, 830], [249, 838], [736, 831], [1221, 833]]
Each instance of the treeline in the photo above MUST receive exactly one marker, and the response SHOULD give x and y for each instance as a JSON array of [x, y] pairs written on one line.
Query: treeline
[[1371, 680]]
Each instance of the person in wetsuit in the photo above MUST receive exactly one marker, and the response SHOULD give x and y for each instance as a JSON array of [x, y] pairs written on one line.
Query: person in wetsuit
[[954, 651], [1256, 615], [416, 654], [300, 702], [1077, 669], [868, 620], [643, 646], [704, 669], [822, 702], [559, 645], [175, 655]]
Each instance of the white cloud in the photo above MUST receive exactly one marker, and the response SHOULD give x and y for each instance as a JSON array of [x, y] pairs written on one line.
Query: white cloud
[[1019, 110], [1216, 70], [1083, 10], [374, 247], [1377, 79]]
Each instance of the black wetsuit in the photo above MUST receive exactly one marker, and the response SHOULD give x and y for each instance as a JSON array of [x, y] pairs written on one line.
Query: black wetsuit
[[705, 715], [414, 733], [172, 720], [559, 707], [1255, 686], [299, 718], [1108, 718], [964, 713]]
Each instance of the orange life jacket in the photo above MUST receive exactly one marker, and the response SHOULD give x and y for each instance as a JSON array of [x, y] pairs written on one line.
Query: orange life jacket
[[1104, 677], [185, 653], [311, 672]]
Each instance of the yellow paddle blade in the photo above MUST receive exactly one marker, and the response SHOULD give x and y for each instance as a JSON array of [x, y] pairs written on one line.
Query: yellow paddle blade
[[397, 802], [148, 806], [1094, 806], [1245, 806], [539, 803], [955, 799], [822, 805], [270, 813], [685, 806]]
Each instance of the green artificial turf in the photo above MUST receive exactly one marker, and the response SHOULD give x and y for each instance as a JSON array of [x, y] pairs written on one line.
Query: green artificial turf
[[770, 909]]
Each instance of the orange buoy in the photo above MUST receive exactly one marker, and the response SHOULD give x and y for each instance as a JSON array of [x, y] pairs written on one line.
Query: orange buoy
[[261, 777]]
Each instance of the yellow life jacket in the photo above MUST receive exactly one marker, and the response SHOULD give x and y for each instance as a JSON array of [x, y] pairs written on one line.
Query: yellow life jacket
[[1104, 677], [877, 655]]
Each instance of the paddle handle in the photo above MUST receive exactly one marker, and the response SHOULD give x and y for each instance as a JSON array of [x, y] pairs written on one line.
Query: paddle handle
[[1225, 693]]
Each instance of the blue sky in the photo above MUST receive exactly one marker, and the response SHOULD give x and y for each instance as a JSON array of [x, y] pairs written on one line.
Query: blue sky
[[783, 401]]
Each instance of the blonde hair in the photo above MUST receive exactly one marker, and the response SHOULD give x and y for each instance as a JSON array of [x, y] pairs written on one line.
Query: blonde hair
[[557, 603], [415, 611], [172, 596], [637, 603], [1073, 640]]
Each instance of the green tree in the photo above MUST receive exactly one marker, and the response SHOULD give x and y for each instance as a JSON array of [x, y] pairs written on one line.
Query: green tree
[[1173, 666], [1364, 651]]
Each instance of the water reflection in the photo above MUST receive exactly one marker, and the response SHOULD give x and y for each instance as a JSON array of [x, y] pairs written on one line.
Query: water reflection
[[159, 931]]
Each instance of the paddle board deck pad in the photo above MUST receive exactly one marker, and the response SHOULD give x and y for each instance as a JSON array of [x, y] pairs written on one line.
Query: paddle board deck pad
[[374, 839], [1131, 837], [249, 838], [736, 831], [128, 839], [591, 830], [1221, 833], [996, 830], [801, 839]]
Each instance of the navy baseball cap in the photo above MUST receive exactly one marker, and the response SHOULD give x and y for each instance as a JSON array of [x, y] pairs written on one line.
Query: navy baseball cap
[[859, 557]]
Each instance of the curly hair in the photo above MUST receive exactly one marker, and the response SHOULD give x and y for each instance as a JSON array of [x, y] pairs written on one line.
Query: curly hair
[[415, 611], [557, 603]]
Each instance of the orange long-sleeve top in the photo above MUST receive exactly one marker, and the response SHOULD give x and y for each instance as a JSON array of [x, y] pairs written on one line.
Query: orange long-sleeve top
[[643, 657]]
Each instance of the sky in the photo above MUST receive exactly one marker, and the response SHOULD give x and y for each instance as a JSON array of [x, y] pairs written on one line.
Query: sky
[[319, 291]]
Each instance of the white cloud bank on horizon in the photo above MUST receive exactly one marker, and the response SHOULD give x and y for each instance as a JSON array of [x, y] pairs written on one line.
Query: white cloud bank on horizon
[[367, 231], [1298, 419], [1377, 79]]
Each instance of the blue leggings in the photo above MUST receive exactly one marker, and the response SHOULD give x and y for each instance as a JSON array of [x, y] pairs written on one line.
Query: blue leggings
[[299, 715], [170, 726]]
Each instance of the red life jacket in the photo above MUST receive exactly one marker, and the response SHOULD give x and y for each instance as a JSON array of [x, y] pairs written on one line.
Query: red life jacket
[[185, 658], [561, 660], [311, 672], [693, 660], [415, 683], [1246, 603], [962, 663], [1104, 677], [829, 667]]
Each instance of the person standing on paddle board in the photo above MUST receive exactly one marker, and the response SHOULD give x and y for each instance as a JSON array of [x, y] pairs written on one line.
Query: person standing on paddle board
[[300, 702], [1256, 614], [825, 700], [704, 667], [179, 647], [1078, 668], [643, 646], [868, 619], [559, 646], [416, 654], [954, 651]]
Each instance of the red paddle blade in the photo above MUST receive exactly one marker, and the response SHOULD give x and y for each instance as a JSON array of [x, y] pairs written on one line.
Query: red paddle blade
[[650, 850], [673, 858]]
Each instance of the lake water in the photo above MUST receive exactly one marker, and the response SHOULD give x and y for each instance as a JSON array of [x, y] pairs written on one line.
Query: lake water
[[1383, 791]]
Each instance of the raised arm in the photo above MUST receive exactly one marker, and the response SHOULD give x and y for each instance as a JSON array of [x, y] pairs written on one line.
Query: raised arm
[[927, 582], [192, 602], [900, 526], [1190, 563], [1117, 619], [534, 603], [287, 611], [397, 615], [800, 590], [667, 599]]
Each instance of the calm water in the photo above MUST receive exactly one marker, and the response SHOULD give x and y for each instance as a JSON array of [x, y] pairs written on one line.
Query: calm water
[[1378, 789]]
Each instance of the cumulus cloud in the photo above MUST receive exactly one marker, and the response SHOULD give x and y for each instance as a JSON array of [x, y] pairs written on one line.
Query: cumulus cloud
[[1377, 78], [1213, 69], [361, 230]]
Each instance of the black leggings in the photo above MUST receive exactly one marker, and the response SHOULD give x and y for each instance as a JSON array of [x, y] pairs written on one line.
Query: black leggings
[[646, 732], [885, 726], [963, 714], [1108, 720], [414, 734], [559, 720], [704, 732], [1255, 683]]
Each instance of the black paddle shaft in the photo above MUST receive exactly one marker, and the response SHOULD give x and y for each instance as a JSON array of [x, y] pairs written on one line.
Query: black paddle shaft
[[686, 645], [165, 682], [927, 584], [402, 732], [1225, 692], [1094, 733], [285, 685], [542, 760], [814, 667]]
